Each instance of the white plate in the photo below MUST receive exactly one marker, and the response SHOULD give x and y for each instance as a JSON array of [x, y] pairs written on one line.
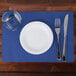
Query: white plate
[[36, 37]]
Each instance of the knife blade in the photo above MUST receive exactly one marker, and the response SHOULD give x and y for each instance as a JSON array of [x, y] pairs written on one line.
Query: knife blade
[[66, 24], [65, 37]]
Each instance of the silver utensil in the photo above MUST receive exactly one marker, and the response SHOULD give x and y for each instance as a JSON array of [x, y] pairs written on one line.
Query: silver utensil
[[57, 30], [65, 37]]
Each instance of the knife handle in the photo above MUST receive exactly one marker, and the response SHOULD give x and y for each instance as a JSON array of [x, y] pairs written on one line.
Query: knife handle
[[64, 50]]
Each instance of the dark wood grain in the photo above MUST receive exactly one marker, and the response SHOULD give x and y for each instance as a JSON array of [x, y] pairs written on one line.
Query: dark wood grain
[[3, 1], [40, 1], [27, 1], [38, 67], [3, 7], [37, 74], [46, 5]]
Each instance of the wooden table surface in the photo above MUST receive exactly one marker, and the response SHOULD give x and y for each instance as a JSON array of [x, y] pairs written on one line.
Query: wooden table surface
[[42, 69]]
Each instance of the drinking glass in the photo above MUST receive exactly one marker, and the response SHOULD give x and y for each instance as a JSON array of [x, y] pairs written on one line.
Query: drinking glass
[[11, 20]]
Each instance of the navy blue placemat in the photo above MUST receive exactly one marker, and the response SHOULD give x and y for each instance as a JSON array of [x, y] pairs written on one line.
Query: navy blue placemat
[[13, 52]]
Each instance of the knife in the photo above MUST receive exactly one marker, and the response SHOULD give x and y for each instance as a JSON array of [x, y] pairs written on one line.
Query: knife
[[65, 37]]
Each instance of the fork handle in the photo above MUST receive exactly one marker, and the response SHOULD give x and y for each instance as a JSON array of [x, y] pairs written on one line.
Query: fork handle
[[58, 49]]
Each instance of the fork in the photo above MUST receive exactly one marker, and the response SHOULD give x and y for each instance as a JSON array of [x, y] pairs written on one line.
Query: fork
[[57, 30]]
